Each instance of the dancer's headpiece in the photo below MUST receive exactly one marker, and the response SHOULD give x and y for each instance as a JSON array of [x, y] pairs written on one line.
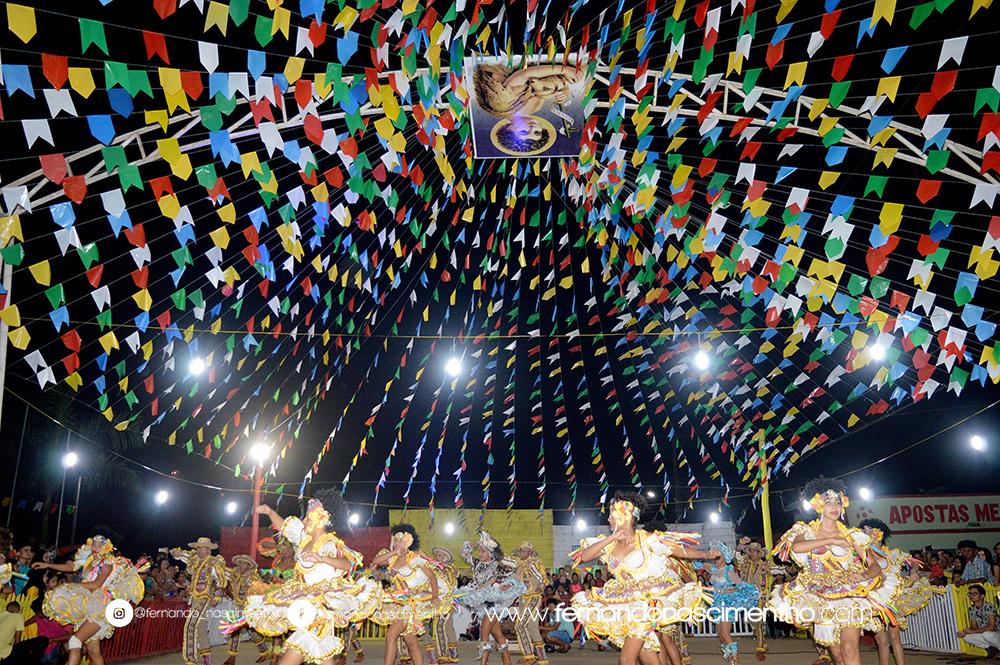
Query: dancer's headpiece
[[819, 499]]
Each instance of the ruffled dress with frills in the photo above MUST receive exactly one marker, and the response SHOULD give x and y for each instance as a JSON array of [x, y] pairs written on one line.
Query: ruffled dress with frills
[[911, 595], [494, 588], [647, 592], [730, 598], [338, 599], [409, 595], [75, 604], [822, 595]]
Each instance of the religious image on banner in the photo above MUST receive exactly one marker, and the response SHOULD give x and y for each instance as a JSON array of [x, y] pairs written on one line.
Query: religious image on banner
[[521, 108]]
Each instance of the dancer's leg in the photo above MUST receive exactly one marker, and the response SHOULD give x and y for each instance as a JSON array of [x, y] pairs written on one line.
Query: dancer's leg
[[94, 655], [392, 633], [882, 641], [896, 640], [75, 644], [630, 651], [415, 648], [849, 647]]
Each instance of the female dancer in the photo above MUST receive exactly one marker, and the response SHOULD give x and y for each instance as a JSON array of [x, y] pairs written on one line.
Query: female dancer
[[419, 591], [492, 592], [648, 592], [913, 593], [105, 577], [836, 589], [323, 565], [731, 597]]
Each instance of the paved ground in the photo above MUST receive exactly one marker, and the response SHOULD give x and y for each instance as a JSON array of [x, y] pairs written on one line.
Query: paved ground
[[704, 651]]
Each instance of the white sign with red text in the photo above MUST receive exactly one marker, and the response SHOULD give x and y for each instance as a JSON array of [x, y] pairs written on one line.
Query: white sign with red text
[[936, 520]]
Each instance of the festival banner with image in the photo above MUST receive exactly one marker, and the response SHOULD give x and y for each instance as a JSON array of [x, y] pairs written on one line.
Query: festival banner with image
[[525, 107]]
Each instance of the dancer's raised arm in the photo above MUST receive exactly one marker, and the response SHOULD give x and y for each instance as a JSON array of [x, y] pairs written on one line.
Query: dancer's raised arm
[[277, 521]]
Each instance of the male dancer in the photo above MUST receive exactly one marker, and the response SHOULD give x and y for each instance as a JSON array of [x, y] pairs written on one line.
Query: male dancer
[[753, 569], [241, 577], [207, 573], [531, 573], [445, 643]]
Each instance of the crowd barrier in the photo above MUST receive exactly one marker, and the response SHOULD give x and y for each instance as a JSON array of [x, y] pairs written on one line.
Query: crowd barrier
[[148, 637], [935, 628]]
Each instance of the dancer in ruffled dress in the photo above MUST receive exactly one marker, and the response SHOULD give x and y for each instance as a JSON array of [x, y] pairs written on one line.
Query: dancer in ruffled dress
[[913, 593], [840, 587], [323, 566], [419, 590], [491, 594], [648, 592], [731, 597], [104, 577]]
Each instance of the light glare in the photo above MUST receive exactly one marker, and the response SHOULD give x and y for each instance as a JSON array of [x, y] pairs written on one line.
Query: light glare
[[196, 366], [231, 507], [702, 361], [977, 442], [70, 459], [161, 497], [865, 494], [259, 452], [453, 367]]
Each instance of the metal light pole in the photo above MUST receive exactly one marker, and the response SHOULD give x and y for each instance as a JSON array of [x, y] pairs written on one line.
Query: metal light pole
[[76, 509], [69, 460], [17, 465], [62, 491]]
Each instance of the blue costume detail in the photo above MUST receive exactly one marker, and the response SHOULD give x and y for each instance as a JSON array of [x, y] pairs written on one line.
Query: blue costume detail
[[730, 596]]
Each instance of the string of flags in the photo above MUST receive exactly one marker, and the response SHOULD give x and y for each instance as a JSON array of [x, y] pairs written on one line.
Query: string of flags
[[289, 196]]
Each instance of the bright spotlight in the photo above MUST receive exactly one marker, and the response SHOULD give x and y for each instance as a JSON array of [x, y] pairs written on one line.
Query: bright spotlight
[[806, 506], [581, 525], [449, 528], [714, 518], [650, 494], [877, 352], [977, 442], [865, 494], [354, 519], [702, 361], [259, 452], [70, 459], [196, 366], [231, 508], [161, 497], [453, 367]]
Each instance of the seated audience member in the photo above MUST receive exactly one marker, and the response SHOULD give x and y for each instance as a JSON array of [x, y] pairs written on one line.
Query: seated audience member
[[14, 651], [982, 631], [599, 579], [555, 629], [54, 633], [977, 569], [574, 584]]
